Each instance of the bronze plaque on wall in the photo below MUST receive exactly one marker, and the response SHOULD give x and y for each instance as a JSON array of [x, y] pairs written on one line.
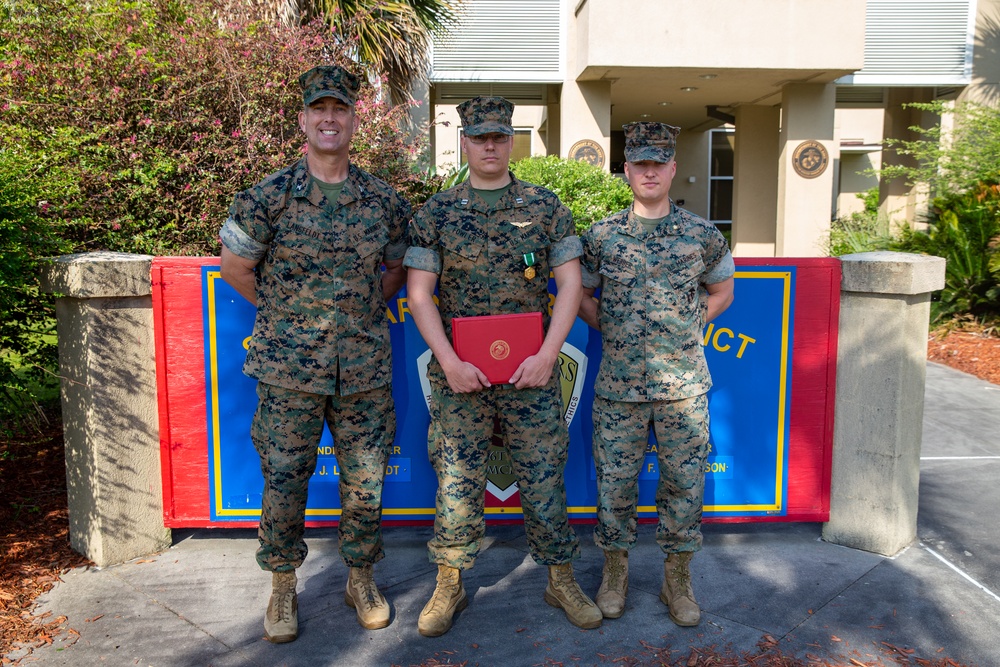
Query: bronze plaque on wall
[[588, 151], [810, 159]]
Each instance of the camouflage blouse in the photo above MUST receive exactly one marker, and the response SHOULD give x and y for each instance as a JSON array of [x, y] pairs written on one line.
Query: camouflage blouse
[[483, 255], [653, 302], [320, 309]]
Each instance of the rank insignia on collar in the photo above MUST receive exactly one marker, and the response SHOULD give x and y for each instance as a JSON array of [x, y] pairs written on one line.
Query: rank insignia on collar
[[520, 225]]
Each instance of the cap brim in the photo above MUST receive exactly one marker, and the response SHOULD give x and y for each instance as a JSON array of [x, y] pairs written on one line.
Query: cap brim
[[648, 154], [328, 93], [487, 128]]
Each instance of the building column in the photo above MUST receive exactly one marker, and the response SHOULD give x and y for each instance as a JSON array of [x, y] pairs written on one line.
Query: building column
[[585, 115], [899, 202], [104, 315], [805, 200], [755, 180]]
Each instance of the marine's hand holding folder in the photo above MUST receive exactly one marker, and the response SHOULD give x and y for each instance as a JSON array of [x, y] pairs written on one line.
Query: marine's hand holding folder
[[497, 344]]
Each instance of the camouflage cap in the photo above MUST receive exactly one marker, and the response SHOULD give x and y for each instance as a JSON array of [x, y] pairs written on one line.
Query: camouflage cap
[[329, 81], [482, 115], [655, 142]]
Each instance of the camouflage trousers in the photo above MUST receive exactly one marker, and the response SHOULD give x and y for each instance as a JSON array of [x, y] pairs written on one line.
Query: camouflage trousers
[[535, 434], [621, 433], [286, 431]]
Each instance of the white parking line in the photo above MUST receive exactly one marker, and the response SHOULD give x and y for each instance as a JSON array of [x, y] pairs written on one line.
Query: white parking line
[[955, 568], [956, 458]]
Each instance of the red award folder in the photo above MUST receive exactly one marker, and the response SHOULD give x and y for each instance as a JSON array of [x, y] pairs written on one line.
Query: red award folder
[[497, 344]]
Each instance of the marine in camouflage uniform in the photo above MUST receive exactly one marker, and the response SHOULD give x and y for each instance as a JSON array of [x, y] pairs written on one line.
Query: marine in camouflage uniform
[[307, 245], [663, 274], [488, 245]]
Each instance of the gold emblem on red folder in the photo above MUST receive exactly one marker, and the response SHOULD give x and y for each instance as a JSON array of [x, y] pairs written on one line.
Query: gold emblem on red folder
[[499, 350]]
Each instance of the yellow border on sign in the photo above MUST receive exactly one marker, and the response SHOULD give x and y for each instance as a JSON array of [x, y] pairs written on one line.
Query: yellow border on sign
[[786, 278]]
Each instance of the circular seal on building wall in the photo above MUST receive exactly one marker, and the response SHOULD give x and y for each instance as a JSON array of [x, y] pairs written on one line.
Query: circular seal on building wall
[[499, 350], [588, 151], [810, 159]]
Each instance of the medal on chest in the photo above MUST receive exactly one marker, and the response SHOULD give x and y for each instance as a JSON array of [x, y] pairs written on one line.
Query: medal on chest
[[529, 262]]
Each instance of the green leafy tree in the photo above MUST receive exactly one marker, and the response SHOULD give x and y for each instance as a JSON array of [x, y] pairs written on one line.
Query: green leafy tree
[[961, 166], [391, 37], [951, 161], [588, 191]]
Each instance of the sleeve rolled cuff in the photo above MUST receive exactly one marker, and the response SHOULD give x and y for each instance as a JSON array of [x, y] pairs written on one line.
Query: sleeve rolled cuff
[[723, 270], [565, 249], [423, 259], [395, 251], [240, 243], [590, 280]]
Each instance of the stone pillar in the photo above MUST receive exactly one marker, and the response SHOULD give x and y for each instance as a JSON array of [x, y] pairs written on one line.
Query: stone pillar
[[881, 367], [106, 360]]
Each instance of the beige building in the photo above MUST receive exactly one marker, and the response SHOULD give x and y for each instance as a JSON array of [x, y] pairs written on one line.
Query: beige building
[[783, 103]]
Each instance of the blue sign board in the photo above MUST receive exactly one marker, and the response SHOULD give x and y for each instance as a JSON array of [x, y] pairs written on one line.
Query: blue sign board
[[749, 349]]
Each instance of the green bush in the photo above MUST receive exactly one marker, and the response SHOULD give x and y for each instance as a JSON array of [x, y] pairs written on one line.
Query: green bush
[[156, 112], [965, 230], [27, 346], [134, 124], [863, 231], [961, 168], [588, 191]]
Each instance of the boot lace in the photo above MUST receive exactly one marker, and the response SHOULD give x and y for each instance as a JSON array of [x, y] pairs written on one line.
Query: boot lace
[[565, 582], [681, 574], [368, 589], [616, 569], [284, 597], [442, 594]]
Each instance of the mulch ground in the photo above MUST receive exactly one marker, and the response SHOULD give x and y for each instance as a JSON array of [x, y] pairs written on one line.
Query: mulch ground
[[35, 551], [34, 536], [976, 353]]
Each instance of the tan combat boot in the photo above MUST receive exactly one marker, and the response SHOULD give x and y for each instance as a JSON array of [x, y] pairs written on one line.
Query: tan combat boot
[[448, 599], [565, 593], [677, 593], [614, 586], [281, 622], [363, 596]]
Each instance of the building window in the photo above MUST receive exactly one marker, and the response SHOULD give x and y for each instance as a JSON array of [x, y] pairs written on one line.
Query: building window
[[522, 146], [720, 181]]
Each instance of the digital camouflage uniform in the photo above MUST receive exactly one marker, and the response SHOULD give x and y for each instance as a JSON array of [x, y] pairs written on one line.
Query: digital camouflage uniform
[[320, 349], [653, 371], [478, 253]]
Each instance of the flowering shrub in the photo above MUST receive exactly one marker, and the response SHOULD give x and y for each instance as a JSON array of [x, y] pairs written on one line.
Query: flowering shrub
[[129, 126], [156, 112]]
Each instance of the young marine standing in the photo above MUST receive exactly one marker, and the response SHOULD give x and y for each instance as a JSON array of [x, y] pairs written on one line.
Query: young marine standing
[[664, 273], [306, 245], [488, 245]]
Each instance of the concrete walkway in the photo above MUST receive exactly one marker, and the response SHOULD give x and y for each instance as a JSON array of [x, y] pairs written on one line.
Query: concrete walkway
[[201, 602]]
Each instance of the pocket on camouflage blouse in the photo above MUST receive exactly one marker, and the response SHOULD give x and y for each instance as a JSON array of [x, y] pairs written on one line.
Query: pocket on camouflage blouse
[[620, 272], [369, 239], [460, 244]]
